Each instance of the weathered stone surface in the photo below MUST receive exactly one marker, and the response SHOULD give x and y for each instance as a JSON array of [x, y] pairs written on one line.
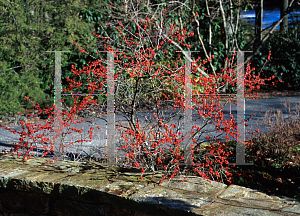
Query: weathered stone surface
[[295, 209], [255, 198], [74, 188], [195, 183]]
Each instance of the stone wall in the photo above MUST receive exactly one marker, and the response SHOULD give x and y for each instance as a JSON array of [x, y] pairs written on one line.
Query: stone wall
[[36, 187], [25, 203], [79, 188]]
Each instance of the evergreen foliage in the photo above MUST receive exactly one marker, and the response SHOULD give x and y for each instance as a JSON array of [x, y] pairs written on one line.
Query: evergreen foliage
[[27, 30], [284, 48]]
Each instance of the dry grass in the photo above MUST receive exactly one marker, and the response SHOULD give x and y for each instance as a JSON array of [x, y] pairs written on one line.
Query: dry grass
[[275, 155], [282, 144]]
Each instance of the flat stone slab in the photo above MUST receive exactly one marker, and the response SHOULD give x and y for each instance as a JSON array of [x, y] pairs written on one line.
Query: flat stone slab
[[95, 186]]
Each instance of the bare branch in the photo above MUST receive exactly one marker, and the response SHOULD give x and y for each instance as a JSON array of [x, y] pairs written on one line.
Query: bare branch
[[270, 32]]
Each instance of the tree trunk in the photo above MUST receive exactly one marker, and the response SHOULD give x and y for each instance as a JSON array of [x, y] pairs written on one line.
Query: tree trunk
[[258, 29], [258, 22], [284, 23]]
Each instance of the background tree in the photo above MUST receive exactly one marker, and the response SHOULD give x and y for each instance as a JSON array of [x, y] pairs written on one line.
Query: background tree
[[28, 29], [283, 45], [284, 23], [258, 22]]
